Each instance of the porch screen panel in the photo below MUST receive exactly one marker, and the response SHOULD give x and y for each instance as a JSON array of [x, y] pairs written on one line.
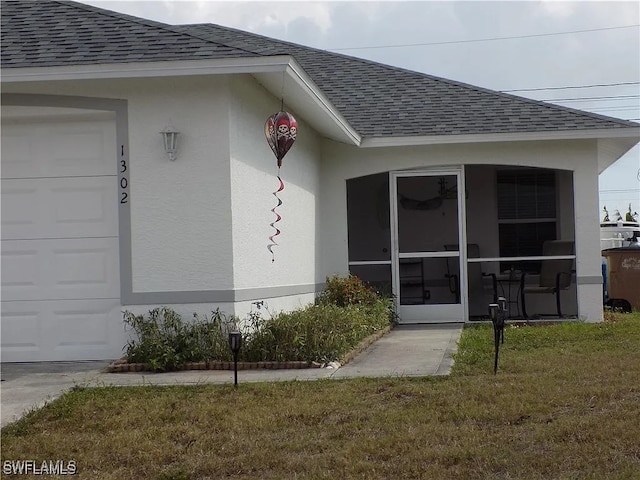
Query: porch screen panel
[[429, 281], [368, 225], [376, 276], [427, 213]]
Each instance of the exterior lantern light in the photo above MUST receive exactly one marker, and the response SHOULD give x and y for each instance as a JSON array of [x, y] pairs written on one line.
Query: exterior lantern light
[[170, 139], [235, 343]]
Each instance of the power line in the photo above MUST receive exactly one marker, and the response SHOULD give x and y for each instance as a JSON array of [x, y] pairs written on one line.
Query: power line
[[624, 190], [582, 99], [599, 108], [492, 39], [615, 109], [571, 86]]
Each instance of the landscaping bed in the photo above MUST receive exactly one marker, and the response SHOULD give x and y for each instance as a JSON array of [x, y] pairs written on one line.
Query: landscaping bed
[[123, 366], [120, 366], [346, 315]]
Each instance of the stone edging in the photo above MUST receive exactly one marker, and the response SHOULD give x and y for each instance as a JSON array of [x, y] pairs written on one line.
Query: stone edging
[[121, 365]]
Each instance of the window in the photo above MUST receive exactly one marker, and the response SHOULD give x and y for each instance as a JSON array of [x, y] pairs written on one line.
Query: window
[[526, 214]]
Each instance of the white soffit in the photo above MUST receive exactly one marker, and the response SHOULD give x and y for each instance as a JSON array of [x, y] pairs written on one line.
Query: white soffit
[[611, 149]]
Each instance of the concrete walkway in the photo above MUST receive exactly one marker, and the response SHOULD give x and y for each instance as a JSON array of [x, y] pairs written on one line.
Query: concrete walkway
[[408, 350]]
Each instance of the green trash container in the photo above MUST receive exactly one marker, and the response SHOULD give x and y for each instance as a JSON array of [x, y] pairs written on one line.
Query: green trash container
[[623, 274]]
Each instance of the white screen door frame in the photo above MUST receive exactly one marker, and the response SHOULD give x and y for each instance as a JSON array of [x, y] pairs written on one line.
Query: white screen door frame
[[430, 311]]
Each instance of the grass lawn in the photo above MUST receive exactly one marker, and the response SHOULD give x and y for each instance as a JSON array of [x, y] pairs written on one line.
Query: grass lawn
[[564, 405]]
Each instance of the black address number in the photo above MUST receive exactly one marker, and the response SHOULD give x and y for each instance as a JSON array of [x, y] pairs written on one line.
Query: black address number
[[124, 182]]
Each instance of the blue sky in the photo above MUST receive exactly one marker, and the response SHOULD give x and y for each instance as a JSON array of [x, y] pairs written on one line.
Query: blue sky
[[591, 46]]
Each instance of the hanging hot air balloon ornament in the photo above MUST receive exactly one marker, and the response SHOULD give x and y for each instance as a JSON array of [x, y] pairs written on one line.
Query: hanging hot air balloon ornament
[[281, 130]]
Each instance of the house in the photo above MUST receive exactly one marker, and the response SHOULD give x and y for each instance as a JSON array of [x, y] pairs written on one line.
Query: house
[[392, 171]]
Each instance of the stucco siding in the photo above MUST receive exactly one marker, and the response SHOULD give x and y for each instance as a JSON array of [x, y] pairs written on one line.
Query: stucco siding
[[180, 211], [588, 257], [253, 179], [273, 305]]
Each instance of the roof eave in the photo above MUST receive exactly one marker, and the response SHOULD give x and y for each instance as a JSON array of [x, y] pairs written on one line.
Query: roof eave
[[301, 93], [629, 133], [218, 66], [611, 149]]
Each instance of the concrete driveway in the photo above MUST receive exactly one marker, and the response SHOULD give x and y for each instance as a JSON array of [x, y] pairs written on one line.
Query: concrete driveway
[[408, 350]]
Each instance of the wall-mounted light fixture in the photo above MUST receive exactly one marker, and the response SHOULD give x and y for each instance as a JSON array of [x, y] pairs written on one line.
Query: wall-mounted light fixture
[[170, 138]]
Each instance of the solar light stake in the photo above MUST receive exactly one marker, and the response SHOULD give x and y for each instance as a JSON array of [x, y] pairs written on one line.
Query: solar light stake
[[493, 314], [235, 343], [497, 313]]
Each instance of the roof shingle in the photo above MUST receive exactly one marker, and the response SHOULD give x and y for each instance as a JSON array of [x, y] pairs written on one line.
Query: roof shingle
[[56, 33], [377, 100]]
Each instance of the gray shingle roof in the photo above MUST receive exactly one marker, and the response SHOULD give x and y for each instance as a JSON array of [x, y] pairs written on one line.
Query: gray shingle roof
[[55, 33], [377, 100]]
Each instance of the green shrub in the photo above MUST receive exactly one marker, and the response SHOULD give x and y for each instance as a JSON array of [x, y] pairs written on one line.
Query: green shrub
[[165, 341], [347, 291], [321, 333]]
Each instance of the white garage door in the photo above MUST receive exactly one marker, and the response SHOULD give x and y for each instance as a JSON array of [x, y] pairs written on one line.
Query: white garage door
[[60, 268]]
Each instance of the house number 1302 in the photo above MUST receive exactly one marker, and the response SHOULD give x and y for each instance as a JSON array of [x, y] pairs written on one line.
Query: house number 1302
[[124, 182]]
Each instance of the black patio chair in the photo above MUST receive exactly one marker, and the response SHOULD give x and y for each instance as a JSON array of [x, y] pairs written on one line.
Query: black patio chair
[[474, 272], [555, 274]]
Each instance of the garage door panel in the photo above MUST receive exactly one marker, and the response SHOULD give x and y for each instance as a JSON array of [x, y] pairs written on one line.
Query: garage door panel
[[20, 328], [65, 330], [91, 150], [26, 215], [19, 152], [65, 150], [59, 208], [87, 205], [21, 271], [60, 269], [84, 327], [59, 224], [88, 269]]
